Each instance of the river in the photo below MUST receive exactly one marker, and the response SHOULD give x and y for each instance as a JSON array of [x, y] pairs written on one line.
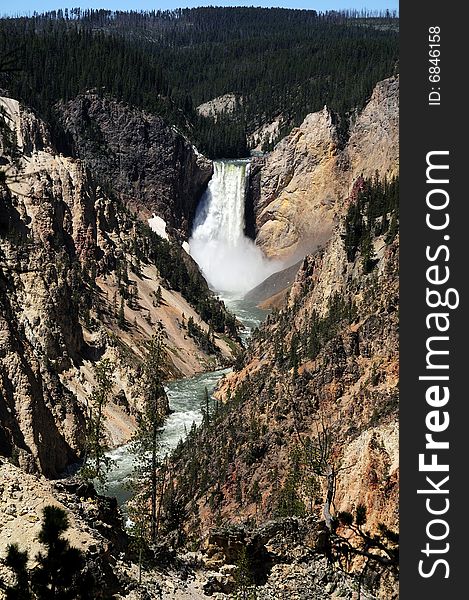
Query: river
[[185, 399], [230, 261]]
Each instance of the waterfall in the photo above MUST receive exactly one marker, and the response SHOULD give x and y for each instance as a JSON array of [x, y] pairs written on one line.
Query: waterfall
[[230, 261]]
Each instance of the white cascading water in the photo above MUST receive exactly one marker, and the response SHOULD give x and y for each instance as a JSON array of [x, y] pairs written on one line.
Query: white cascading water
[[230, 261]]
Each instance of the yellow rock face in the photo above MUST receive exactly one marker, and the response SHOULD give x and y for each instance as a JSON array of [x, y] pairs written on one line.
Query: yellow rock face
[[307, 178]]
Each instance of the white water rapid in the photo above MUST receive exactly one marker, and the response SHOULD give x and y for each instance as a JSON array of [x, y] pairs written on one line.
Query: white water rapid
[[230, 261]]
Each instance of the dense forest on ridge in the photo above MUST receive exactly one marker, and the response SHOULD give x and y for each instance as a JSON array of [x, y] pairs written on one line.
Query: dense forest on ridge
[[275, 62]]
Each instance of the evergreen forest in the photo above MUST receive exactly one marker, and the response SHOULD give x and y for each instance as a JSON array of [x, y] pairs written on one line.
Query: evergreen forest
[[276, 62]]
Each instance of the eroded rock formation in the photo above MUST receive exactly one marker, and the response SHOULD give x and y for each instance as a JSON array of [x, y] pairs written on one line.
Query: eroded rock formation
[[308, 421], [300, 188], [78, 282], [152, 165]]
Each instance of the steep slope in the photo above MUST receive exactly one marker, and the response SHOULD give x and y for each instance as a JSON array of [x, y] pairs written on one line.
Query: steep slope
[[81, 279], [275, 288], [224, 104], [95, 525], [299, 189], [308, 422], [150, 164]]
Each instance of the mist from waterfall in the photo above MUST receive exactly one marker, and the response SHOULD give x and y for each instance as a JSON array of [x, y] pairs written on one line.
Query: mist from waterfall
[[230, 261]]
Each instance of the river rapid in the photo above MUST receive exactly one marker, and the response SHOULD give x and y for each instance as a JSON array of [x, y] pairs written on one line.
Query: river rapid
[[185, 400]]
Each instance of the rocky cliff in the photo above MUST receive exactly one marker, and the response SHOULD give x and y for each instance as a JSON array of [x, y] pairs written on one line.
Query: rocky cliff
[[81, 278], [307, 424], [299, 189], [151, 165], [96, 529]]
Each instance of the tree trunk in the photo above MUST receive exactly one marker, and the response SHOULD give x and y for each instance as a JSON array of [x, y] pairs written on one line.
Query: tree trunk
[[153, 485], [329, 498]]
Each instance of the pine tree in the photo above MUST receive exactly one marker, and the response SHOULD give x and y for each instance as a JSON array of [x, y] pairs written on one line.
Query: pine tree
[[366, 250], [146, 438], [17, 561], [294, 351], [393, 228], [244, 581], [58, 574], [139, 528], [121, 316], [158, 296], [96, 462], [256, 494], [58, 568], [381, 548], [205, 408]]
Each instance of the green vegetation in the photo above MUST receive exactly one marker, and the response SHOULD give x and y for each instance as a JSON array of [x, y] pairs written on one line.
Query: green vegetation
[[96, 463], [148, 482], [276, 62], [204, 339], [374, 212], [59, 572], [182, 276], [285, 387], [245, 588], [289, 501], [350, 539], [291, 351]]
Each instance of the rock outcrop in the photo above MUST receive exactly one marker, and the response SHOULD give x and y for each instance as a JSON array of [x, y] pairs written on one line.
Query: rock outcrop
[[266, 134], [225, 104], [95, 525], [80, 281], [282, 555], [285, 562], [349, 383], [300, 188], [151, 165]]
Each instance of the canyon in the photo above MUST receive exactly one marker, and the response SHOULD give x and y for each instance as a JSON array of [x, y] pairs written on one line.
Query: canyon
[[83, 277], [69, 254], [299, 190]]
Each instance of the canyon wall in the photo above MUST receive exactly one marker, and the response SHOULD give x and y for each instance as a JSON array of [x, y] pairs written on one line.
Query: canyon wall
[[150, 164], [80, 280], [299, 189]]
